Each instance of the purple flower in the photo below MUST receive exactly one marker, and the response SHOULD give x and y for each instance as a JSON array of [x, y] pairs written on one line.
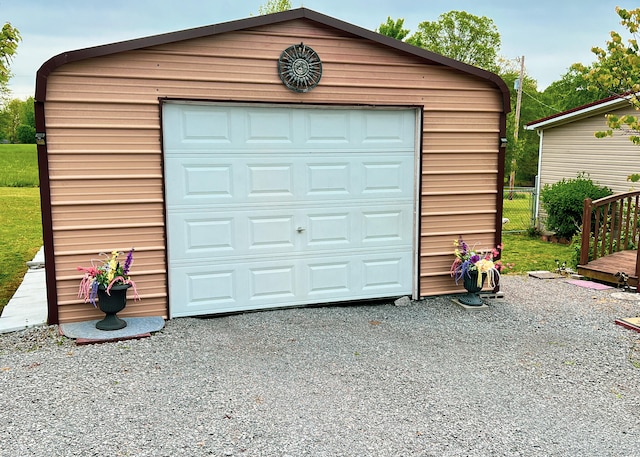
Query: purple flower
[[94, 293], [474, 258], [128, 262]]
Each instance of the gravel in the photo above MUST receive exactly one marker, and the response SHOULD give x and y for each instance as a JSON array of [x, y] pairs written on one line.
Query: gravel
[[543, 371]]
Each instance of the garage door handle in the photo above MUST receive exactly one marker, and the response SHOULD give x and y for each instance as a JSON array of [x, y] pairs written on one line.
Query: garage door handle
[[300, 230]]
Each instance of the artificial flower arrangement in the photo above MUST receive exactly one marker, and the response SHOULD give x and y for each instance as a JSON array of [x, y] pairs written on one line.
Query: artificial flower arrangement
[[469, 259], [105, 274]]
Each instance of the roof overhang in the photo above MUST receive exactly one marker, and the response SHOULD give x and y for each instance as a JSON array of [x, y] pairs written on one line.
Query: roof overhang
[[257, 21], [580, 112]]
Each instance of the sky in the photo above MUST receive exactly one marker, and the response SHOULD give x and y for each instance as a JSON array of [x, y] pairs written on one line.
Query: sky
[[551, 35]]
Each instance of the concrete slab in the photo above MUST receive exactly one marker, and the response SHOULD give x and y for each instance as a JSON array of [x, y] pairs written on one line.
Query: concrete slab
[[28, 306], [626, 296], [543, 274], [137, 327]]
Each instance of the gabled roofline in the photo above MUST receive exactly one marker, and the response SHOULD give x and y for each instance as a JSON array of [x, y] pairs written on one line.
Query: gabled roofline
[[257, 21], [578, 112]]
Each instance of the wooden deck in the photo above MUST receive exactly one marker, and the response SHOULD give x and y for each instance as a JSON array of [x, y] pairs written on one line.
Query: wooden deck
[[610, 238], [605, 268]]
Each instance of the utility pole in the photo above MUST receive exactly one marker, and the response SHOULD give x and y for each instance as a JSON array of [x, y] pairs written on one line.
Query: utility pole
[[512, 175]]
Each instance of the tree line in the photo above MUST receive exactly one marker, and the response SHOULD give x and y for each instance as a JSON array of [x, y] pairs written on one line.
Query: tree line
[[18, 122]]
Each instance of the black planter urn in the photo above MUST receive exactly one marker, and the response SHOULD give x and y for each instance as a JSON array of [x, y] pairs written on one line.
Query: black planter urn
[[471, 298], [111, 304]]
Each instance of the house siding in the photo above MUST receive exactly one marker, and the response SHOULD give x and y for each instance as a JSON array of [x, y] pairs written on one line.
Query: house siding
[[572, 148], [104, 143]]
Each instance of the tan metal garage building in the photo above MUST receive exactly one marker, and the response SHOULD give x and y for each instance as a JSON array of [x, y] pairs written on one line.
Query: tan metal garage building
[[279, 160]]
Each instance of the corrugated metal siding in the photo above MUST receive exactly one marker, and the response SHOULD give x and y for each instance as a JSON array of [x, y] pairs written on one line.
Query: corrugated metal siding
[[104, 142]]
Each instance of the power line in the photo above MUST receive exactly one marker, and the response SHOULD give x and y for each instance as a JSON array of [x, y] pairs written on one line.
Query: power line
[[540, 102]]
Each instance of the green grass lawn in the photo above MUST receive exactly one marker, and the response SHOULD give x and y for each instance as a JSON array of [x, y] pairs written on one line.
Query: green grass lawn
[[20, 236], [18, 165], [527, 253], [20, 221], [532, 254]]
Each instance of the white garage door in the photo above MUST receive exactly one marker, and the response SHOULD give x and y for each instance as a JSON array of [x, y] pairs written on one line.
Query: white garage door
[[281, 206]]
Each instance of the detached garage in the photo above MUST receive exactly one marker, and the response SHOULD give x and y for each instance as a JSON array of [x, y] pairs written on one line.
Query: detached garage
[[281, 160]]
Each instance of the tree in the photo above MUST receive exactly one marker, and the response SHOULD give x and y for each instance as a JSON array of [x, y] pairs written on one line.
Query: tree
[[462, 36], [11, 119], [274, 6], [17, 121], [26, 131], [573, 90], [393, 29], [9, 39], [26, 134], [617, 72]]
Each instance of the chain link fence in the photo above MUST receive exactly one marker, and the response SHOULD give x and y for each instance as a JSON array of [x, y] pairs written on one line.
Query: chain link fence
[[518, 209]]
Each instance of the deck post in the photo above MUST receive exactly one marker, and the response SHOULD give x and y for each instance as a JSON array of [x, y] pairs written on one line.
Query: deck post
[[638, 270], [586, 232]]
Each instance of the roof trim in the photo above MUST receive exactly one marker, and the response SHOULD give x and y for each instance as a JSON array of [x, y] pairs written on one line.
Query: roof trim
[[578, 112], [257, 21]]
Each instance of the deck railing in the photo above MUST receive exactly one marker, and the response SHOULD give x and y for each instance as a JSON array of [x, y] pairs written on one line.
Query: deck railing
[[610, 224]]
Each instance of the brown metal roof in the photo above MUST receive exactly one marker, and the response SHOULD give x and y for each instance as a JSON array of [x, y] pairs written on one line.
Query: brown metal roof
[[257, 21], [577, 111]]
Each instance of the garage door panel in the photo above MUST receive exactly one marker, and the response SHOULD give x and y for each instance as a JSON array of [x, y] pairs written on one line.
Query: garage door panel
[[329, 180], [212, 286], [330, 228], [327, 127], [197, 235], [216, 234], [269, 127], [205, 126], [384, 226], [271, 232], [211, 180], [196, 181], [203, 289], [281, 206], [207, 180], [387, 127], [195, 126], [243, 285], [385, 178], [213, 235], [329, 278], [260, 129], [272, 283], [270, 180], [386, 273]]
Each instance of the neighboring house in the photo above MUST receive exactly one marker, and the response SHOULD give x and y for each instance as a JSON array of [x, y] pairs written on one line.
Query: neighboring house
[[568, 146], [280, 160]]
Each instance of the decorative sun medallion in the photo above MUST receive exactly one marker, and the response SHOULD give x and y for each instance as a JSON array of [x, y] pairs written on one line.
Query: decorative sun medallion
[[300, 68]]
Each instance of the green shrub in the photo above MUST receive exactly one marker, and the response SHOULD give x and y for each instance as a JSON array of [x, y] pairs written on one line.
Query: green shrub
[[564, 201], [26, 134]]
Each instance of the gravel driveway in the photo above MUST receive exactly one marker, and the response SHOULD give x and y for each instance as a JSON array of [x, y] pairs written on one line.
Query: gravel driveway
[[542, 372]]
